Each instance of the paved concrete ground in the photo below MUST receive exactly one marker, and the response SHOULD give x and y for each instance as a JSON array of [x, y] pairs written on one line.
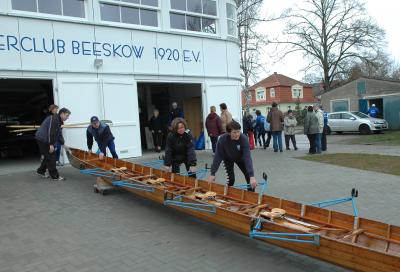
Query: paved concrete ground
[[64, 226]]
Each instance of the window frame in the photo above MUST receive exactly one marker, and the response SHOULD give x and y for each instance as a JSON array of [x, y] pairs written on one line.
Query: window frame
[[120, 4], [195, 14], [272, 91], [258, 91], [297, 87], [231, 20], [37, 14]]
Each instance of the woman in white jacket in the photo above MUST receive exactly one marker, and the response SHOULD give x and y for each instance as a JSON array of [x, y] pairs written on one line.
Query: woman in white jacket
[[290, 129]]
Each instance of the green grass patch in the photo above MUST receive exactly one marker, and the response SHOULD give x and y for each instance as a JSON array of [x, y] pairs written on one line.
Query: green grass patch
[[378, 163], [386, 138]]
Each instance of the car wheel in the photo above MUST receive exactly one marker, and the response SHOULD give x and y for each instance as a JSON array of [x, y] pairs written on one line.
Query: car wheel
[[364, 129]]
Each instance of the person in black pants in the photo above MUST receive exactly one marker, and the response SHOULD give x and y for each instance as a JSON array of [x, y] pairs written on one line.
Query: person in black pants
[[156, 127], [311, 128], [233, 148], [180, 149], [47, 136]]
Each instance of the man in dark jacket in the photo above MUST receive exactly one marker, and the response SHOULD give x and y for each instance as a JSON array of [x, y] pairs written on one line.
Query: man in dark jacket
[[101, 133], [180, 149], [275, 118], [47, 136], [174, 113], [213, 126], [156, 126], [233, 147]]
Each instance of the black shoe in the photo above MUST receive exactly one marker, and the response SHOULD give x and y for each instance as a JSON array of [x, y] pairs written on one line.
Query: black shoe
[[295, 148], [275, 150], [287, 148], [281, 150]]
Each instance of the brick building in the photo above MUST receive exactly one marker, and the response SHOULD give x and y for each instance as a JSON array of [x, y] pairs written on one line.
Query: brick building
[[284, 90]]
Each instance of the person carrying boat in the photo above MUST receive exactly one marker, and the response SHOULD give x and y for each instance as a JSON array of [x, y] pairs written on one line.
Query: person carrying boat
[[101, 133], [179, 148], [233, 147], [47, 136]]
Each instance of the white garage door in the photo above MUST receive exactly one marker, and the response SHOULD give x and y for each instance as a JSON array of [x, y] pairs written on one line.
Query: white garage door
[[109, 100]]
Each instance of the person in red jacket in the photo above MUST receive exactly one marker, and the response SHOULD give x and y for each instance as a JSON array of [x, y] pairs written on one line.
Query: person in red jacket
[[213, 126]]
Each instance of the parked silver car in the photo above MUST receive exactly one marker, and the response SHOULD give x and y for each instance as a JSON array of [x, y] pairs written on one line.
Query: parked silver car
[[354, 121]]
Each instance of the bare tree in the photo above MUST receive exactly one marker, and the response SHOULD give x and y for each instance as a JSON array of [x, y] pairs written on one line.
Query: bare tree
[[381, 66], [250, 41], [332, 34]]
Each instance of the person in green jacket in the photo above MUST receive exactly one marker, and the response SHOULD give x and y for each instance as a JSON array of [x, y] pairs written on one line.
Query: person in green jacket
[[311, 128]]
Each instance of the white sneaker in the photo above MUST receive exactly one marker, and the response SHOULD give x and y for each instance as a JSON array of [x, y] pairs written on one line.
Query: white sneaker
[[60, 178]]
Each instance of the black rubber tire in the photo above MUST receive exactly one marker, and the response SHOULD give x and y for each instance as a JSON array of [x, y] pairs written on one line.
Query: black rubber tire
[[364, 129]]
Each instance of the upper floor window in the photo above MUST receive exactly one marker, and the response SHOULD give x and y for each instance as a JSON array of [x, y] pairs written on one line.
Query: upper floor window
[[272, 92], [231, 19], [297, 91], [260, 94], [137, 12], [73, 8], [194, 15]]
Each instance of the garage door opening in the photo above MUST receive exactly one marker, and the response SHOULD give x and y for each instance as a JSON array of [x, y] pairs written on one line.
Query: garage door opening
[[160, 96], [23, 102]]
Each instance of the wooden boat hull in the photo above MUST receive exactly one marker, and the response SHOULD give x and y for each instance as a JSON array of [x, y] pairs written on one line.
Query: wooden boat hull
[[356, 243]]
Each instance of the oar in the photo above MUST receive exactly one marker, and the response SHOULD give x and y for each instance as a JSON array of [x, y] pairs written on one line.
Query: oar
[[23, 130], [23, 126]]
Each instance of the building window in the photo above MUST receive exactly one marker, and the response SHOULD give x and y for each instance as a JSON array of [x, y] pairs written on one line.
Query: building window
[[135, 12], [297, 91], [72, 8], [260, 94], [272, 92], [340, 105], [194, 15], [231, 19]]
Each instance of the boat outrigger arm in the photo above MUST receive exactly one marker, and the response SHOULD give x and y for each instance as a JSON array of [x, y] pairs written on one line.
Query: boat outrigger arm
[[331, 202]]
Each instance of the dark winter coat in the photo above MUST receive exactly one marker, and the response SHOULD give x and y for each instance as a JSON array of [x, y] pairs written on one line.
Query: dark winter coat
[[174, 113], [50, 130], [179, 149], [213, 125], [101, 135], [156, 124], [234, 151]]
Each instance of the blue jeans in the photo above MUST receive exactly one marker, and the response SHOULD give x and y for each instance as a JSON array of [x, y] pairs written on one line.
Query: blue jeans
[[318, 145], [111, 146], [277, 140], [58, 151]]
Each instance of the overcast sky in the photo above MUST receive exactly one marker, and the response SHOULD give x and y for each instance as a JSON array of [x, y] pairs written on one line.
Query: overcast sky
[[385, 13]]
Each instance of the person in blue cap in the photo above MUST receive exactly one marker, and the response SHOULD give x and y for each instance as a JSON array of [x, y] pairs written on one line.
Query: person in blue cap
[[373, 111], [101, 133]]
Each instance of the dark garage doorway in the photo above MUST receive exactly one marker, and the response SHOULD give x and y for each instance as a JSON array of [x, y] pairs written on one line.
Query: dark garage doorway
[[161, 96], [22, 102]]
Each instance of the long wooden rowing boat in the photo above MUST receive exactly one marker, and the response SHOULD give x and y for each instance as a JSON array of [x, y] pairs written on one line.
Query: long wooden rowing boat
[[345, 240]]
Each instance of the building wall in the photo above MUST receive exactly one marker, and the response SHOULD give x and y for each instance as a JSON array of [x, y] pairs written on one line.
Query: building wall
[[95, 65]]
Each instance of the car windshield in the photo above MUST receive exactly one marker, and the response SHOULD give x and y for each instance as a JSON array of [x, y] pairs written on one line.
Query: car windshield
[[360, 114]]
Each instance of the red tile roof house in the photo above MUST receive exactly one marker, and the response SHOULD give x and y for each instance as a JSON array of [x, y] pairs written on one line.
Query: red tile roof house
[[284, 90]]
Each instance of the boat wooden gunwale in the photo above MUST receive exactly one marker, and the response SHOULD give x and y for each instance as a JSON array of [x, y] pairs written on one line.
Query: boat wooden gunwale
[[353, 242]]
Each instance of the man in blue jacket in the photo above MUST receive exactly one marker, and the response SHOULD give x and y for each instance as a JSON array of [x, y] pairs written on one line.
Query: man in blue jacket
[[260, 123], [373, 111], [47, 136], [233, 148], [101, 133]]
